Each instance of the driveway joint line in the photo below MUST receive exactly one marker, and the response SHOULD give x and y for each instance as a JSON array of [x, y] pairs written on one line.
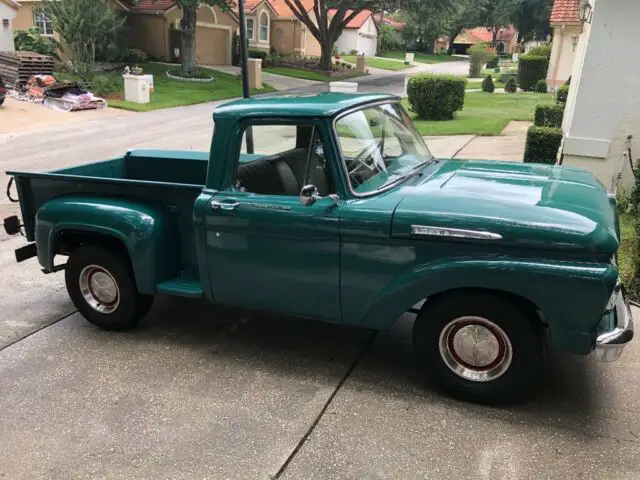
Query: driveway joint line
[[42, 327], [463, 146], [312, 427]]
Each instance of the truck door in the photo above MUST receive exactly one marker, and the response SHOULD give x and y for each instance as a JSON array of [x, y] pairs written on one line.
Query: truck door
[[266, 250]]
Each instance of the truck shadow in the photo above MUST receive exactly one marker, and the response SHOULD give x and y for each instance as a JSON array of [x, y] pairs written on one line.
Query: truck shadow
[[571, 393]]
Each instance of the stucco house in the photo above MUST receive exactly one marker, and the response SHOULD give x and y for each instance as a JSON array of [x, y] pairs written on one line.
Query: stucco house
[[506, 39], [8, 11], [360, 35], [290, 35], [567, 28], [601, 114]]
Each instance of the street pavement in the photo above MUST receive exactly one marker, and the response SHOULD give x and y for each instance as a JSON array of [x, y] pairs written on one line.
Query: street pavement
[[209, 393]]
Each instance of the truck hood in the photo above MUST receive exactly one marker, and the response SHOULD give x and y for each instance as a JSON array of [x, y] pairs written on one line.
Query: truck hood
[[528, 205]]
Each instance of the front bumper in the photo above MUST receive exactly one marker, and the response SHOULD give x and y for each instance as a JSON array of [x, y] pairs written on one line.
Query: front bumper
[[609, 345]]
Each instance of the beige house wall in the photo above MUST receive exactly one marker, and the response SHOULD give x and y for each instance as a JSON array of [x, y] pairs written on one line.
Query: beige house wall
[[562, 54], [285, 37], [150, 33], [312, 46], [24, 17]]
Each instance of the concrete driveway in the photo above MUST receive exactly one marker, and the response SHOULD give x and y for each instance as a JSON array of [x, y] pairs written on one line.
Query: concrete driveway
[[201, 392]]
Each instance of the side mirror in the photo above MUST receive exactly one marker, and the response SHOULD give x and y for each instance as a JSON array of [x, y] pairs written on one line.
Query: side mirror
[[309, 195]]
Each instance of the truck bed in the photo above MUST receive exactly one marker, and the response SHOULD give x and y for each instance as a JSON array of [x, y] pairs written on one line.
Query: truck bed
[[171, 179]]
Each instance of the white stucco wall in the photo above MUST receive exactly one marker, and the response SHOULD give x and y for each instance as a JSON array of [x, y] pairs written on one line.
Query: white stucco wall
[[347, 41], [562, 54], [603, 107], [6, 33]]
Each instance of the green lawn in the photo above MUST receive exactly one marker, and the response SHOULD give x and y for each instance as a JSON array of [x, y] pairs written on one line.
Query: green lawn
[[378, 63], [421, 57], [627, 245], [173, 93], [309, 74], [477, 84], [485, 113]]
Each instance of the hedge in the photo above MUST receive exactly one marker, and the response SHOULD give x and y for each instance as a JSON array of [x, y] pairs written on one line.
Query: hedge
[[562, 94], [257, 54], [436, 97], [542, 145], [541, 86], [531, 70], [487, 84], [493, 62], [549, 116]]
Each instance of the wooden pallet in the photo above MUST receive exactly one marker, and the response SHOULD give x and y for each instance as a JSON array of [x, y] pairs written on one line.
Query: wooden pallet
[[17, 67]]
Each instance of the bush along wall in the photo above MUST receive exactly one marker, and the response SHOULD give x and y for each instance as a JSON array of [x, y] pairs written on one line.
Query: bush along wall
[[542, 145], [488, 85], [549, 116], [436, 97], [531, 70]]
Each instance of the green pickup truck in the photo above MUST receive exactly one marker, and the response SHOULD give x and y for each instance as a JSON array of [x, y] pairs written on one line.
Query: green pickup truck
[[330, 207]]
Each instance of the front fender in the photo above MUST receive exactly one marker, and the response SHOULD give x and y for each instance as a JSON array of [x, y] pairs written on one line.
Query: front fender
[[148, 234], [570, 295]]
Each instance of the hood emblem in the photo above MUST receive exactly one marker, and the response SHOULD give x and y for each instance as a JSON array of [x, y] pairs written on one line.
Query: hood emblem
[[431, 231]]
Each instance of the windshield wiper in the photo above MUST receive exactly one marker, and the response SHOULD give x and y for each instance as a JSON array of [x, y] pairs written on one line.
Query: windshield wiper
[[413, 173]]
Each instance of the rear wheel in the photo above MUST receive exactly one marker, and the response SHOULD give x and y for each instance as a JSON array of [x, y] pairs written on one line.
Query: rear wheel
[[102, 288], [478, 347]]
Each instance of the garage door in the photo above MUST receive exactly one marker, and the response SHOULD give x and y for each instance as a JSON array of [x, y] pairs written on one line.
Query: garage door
[[212, 46]]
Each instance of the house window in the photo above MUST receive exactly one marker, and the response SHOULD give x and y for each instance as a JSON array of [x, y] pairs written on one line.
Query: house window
[[43, 23], [264, 27], [250, 28]]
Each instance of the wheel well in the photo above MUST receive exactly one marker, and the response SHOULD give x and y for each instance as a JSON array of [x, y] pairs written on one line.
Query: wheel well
[[69, 240], [526, 306]]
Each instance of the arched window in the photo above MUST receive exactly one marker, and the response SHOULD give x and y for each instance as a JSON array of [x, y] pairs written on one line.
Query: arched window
[[264, 27]]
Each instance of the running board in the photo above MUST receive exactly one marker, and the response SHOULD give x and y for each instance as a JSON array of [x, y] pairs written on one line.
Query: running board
[[181, 287]]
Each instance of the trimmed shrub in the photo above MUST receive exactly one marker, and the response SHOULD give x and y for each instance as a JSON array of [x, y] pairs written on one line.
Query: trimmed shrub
[[487, 84], [549, 116], [504, 77], [511, 86], [531, 70], [257, 54], [543, 50], [542, 145], [562, 94], [135, 56], [102, 85], [436, 97], [541, 86], [568, 82]]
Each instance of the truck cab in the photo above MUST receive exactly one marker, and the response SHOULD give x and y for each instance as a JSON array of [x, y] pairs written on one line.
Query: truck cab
[[331, 207]]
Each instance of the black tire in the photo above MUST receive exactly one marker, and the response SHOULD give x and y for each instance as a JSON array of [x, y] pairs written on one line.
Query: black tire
[[125, 306], [508, 377]]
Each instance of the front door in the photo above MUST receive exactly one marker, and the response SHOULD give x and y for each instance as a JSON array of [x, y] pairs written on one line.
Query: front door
[[266, 250]]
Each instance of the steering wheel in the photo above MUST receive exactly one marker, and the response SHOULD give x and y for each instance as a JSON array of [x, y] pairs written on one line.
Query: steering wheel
[[366, 152]]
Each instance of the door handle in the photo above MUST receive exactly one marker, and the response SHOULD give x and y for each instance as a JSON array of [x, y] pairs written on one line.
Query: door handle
[[228, 206]]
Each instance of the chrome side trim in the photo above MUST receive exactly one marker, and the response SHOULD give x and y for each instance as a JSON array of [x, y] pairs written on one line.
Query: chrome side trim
[[431, 231]]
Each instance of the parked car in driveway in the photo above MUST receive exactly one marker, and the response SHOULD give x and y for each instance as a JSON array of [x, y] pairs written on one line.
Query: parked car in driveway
[[330, 206]]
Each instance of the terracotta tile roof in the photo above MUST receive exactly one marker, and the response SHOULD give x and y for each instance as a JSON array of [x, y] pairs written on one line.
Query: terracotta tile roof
[[565, 12], [284, 11], [484, 34], [357, 21], [152, 5], [389, 21]]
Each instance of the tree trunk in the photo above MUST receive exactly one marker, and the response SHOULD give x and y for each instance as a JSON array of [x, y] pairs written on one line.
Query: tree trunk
[[495, 36], [452, 37], [326, 52], [188, 40]]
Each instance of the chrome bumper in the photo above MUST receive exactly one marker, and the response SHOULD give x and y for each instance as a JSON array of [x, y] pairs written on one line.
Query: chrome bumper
[[609, 345]]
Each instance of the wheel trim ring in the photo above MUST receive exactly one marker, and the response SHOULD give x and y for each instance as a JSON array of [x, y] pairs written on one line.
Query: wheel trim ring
[[485, 373], [93, 298]]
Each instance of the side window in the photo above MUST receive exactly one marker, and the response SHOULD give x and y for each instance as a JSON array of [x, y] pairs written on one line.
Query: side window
[[284, 159]]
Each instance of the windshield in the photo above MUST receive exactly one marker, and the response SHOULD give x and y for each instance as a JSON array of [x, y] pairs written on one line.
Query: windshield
[[379, 146]]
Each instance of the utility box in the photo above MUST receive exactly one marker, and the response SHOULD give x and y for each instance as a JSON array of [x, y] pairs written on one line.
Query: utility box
[[408, 58], [138, 88], [344, 87], [361, 64], [255, 73]]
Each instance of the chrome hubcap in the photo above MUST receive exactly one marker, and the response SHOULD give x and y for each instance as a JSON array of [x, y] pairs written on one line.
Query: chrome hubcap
[[475, 349], [99, 289]]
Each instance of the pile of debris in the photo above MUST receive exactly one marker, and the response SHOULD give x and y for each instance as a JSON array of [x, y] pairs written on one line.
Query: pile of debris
[[16, 68], [64, 96]]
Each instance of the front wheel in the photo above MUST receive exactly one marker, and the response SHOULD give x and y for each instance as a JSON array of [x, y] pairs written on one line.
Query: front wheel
[[102, 288], [478, 347]]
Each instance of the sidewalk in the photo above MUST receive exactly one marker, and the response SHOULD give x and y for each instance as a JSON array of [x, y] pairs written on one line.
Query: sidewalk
[[279, 82], [508, 146]]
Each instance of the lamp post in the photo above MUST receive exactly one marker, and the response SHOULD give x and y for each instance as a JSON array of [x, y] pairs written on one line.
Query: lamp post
[[244, 67], [585, 11]]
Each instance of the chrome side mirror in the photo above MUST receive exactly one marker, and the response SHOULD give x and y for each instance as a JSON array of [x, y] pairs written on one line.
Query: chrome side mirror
[[309, 195]]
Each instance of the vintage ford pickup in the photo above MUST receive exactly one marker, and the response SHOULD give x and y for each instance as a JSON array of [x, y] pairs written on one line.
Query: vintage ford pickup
[[330, 207]]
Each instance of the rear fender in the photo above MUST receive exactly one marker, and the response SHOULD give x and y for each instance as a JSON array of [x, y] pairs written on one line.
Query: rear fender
[[570, 296], [150, 237]]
